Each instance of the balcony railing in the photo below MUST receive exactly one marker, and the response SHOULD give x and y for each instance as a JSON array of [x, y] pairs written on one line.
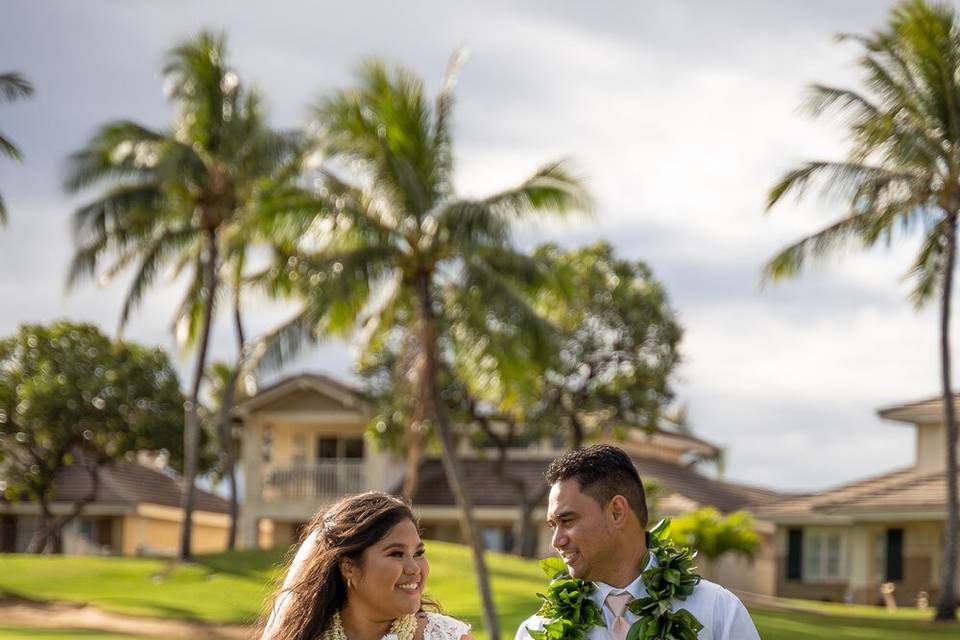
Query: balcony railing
[[322, 480]]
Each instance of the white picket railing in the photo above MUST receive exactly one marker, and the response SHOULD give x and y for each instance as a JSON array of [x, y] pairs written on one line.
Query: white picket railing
[[330, 479]]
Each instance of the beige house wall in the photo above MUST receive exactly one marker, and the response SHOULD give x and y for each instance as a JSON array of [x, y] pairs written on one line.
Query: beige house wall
[[865, 564], [155, 530], [931, 453], [295, 422]]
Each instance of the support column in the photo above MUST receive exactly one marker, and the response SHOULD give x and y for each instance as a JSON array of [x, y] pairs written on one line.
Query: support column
[[862, 584]]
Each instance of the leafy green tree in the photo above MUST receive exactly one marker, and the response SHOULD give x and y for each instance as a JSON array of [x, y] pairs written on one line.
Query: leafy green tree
[[396, 248], [714, 535], [13, 86], [186, 197], [68, 395], [617, 348], [902, 173], [620, 342]]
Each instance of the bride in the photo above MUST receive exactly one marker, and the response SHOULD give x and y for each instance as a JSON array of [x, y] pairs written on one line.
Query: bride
[[359, 574]]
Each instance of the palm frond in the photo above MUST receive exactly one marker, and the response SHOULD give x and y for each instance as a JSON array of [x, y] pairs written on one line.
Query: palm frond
[[153, 257], [9, 149], [927, 269], [13, 86], [118, 151], [116, 207], [472, 223], [385, 123], [442, 138], [277, 348], [790, 260], [841, 179], [202, 86], [553, 188], [513, 308]]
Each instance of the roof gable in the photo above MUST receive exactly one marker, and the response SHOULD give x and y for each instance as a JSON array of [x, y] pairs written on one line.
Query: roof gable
[[304, 392]]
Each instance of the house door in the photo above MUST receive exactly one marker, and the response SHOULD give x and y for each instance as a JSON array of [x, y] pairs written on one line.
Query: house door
[[8, 534]]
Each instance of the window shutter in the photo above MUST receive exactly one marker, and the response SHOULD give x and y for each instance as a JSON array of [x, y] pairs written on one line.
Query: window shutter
[[894, 571], [794, 554]]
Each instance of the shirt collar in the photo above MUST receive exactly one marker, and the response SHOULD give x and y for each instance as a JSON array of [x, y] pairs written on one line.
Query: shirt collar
[[636, 588]]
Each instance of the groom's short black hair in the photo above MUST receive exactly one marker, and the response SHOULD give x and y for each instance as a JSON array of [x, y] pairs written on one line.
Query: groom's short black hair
[[602, 471]]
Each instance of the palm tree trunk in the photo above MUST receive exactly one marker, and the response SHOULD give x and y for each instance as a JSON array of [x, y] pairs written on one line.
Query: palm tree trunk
[[451, 464], [411, 476], [191, 431], [226, 423], [947, 602]]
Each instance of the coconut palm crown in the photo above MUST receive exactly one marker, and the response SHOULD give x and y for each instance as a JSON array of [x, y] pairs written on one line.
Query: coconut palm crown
[[901, 176], [387, 248], [180, 199]]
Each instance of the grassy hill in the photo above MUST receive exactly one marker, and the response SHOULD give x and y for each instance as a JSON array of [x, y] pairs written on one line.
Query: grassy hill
[[232, 588]]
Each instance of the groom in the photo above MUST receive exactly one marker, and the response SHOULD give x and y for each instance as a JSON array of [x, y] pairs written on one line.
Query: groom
[[598, 515]]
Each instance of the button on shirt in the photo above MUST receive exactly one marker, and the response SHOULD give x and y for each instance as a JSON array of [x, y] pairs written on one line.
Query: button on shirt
[[720, 612]]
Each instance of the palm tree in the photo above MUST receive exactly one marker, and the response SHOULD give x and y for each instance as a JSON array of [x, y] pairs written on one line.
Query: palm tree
[[902, 173], [222, 387], [174, 197], [13, 86], [394, 249]]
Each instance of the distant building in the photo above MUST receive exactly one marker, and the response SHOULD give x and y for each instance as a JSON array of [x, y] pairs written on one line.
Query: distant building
[[304, 445], [844, 543], [136, 511]]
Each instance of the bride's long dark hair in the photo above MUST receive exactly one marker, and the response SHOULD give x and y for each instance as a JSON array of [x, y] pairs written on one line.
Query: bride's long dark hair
[[304, 608]]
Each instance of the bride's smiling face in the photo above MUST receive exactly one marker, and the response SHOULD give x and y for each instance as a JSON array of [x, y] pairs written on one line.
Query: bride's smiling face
[[388, 581]]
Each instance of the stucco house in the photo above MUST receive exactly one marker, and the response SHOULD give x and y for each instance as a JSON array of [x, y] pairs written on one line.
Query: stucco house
[[136, 511], [844, 543], [304, 444]]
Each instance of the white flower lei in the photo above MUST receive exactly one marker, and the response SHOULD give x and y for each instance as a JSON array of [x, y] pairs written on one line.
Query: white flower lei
[[403, 628]]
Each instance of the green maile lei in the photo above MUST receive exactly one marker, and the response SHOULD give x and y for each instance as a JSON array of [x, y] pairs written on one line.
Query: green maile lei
[[570, 614]]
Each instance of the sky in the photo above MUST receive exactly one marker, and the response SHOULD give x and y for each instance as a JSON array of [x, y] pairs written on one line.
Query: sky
[[679, 114]]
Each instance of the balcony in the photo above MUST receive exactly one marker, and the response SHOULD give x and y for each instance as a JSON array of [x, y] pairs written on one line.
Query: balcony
[[323, 480]]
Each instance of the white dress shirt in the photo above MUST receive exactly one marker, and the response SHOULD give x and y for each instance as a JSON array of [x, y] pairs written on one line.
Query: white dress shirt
[[720, 612]]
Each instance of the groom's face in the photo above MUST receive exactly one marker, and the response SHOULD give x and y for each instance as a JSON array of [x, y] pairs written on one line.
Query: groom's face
[[581, 531]]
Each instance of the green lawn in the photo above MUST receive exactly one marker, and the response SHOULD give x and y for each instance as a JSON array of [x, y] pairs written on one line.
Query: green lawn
[[231, 588], [16, 633]]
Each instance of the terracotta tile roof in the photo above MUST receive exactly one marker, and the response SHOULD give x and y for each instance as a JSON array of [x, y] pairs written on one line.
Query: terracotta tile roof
[[489, 491], [131, 483], [895, 491]]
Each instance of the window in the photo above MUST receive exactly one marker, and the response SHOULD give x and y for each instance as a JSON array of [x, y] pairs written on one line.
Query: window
[[353, 447], [326, 448], [334, 448], [493, 538], [823, 555]]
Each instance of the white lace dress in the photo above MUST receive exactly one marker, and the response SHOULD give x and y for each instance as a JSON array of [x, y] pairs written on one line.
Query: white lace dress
[[441, 627]]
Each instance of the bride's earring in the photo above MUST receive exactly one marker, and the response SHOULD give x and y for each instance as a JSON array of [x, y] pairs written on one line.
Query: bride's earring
[[349, 583]]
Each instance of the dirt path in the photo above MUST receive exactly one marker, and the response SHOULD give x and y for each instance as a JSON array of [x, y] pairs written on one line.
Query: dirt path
[[60, 615]]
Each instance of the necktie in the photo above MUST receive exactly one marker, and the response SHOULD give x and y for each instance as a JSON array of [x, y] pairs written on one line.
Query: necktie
[[618, 605]]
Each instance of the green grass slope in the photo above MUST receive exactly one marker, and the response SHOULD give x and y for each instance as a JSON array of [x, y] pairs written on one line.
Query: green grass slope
[[231, 588]]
